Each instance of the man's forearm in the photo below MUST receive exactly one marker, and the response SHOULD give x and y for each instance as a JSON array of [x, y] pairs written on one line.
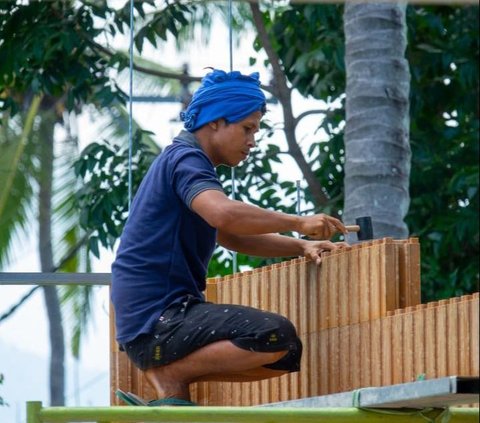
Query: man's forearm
[[238, 218], [245, 219], [266, 245]]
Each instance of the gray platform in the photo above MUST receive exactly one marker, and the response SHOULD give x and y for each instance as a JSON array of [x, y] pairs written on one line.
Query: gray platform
[[437, 393]]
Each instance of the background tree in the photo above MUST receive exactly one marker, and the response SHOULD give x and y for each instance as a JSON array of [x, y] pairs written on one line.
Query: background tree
[[377, 148], [442, 53]]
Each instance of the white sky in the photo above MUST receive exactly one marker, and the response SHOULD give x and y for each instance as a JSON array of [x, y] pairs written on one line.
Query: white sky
[[27, 329]]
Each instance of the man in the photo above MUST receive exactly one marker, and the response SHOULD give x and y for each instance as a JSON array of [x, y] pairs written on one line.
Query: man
[[178, 215]]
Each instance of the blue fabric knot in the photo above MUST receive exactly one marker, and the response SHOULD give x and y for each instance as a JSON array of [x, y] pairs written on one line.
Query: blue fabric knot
[[189, 119], [224, 95]]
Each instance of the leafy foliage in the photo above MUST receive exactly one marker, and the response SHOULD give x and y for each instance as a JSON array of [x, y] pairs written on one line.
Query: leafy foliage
[[51, 48], [310, 41], [443, 57], [2, 401], [103, 196], [310, 44], [47, 49]]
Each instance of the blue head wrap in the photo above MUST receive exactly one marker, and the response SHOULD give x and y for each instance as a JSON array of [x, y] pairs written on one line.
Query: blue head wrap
[[231, 96]]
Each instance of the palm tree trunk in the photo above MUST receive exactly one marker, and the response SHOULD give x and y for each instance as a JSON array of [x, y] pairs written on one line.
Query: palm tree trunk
[[52, 303], [377, 165]]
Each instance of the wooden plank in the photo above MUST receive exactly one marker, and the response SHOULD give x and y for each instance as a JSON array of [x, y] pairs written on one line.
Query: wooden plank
[[331, 268], [242, 392], [283, 287], [294, 300], [430, 337], [343, 293], [295, 304], [397, 347], [403, 274], [314, 358], [321, 363], [474, 341], [265, 288], [319, 295], [419, 365], [365, 354], [441, 339], [334, 360], [387, 365], [388, 274], [303, 326], [355, 358], [211, 290], [309, 302], [256, 303], [376, 352], [265, 298], [354, 285], [255, 282], [245, 288], [452, 337], [415, 272], [236, 288], [375, 282], [364, 278], [274, 291], [464, 335], [345, 383], [408, 345], [114, 359]]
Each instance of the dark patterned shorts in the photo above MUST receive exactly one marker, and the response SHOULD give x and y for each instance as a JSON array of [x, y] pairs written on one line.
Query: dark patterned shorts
[[193, 324]]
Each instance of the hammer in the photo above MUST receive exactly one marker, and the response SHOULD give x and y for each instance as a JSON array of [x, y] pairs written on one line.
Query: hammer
[[363, 228]]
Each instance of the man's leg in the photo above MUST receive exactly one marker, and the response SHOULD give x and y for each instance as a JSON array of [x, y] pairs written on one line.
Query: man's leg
[[219, 361]]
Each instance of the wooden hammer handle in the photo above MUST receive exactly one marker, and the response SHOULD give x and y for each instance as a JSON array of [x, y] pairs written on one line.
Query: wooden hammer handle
[[352, 228]]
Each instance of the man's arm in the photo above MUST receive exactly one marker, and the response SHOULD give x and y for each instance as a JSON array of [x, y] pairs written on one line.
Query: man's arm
[[237, 218], [273, 245]]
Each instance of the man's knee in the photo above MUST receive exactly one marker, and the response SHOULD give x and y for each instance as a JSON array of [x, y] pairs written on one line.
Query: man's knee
[[289, 361]]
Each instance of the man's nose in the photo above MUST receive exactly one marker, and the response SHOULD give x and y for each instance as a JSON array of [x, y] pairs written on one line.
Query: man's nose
[[251, 141]]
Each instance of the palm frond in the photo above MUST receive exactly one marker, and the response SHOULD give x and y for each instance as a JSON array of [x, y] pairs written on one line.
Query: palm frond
[[16, 172]]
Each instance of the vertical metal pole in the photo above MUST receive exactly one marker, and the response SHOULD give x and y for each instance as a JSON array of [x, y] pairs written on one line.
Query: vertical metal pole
[[130, 110], [298, 202], [230, 33], [232, 175], [298, 197]]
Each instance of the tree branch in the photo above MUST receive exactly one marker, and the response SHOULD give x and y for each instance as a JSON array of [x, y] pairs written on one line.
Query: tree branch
[[283, 93], [182, 77], [308, 113]]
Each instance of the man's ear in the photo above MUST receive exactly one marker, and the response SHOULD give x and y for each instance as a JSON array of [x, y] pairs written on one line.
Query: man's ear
[[217, 123]]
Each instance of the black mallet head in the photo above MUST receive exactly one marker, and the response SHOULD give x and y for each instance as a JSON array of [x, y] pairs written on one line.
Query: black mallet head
[[366, 231], [363, 228]]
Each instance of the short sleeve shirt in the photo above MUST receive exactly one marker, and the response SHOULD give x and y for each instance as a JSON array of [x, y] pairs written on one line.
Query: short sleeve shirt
[[165, 246]]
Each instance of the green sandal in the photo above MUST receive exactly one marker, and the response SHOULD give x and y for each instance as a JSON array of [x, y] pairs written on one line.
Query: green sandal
[[170, 402], [129, 398], [132, 399]]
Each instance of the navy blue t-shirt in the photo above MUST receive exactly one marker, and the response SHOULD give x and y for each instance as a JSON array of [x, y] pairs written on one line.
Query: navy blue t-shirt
[[165, 246]]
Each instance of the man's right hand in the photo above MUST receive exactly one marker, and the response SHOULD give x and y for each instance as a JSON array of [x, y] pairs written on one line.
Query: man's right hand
[[320, 226]]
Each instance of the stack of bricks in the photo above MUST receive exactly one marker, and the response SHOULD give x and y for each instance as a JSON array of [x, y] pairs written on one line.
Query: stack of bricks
[[360, 320]]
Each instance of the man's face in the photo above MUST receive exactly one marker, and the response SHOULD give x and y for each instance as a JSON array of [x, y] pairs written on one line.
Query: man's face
[[233, 141]]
